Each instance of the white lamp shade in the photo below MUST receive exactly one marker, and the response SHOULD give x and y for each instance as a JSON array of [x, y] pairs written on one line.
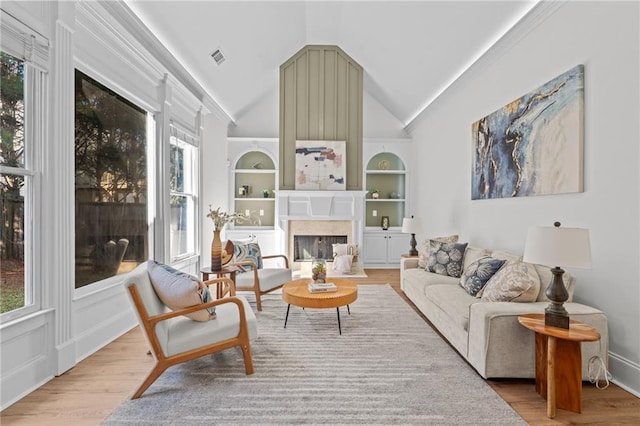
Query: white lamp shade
[[556, 246], [411, 225]]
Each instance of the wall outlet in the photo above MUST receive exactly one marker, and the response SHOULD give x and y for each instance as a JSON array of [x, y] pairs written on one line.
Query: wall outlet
[[261, 212], [247, 213], [374, 213]]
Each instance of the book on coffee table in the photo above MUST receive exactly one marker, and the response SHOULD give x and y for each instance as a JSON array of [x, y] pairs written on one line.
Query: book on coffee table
[[322, 287]]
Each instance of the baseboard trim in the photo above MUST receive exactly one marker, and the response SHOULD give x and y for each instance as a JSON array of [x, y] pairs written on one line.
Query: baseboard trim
[[625, 373], [66, 356]]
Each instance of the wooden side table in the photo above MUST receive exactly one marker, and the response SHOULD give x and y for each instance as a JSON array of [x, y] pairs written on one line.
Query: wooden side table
[[559, 361], [231, 271]]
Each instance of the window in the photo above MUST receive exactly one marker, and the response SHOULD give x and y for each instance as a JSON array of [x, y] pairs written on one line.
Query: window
[[110, 182], [15, 183], [182, 185]]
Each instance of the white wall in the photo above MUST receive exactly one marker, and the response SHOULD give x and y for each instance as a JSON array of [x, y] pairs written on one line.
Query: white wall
[[605, 38]]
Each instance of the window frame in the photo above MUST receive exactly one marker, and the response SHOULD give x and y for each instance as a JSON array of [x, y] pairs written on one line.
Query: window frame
[[34, 55], [179, 136]]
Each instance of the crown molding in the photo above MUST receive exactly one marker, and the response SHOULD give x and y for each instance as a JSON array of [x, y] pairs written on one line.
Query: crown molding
[[129, 20], [531, 20]]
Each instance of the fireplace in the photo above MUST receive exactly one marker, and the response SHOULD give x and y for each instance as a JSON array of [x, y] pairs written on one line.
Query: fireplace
[[325, 214], [311, 247]]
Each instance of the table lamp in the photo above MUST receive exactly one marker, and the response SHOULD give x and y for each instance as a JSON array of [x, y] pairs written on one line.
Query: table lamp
[[568, 247], [413, 226]]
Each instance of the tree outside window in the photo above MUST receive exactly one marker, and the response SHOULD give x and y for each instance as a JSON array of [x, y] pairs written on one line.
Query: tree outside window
[[110, 182], [13, 181]]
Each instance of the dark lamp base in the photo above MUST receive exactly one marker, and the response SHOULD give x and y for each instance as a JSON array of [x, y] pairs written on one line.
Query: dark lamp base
[[556, 320], [413, 242]]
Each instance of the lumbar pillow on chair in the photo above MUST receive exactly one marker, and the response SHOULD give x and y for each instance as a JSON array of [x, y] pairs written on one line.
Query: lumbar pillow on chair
[[179, 290], [342, 263]]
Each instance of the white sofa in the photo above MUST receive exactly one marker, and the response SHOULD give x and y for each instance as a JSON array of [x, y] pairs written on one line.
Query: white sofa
[[488, 334]]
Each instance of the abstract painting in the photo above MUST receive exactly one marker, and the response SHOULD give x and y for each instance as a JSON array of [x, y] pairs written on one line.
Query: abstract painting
[[533, 145], [320, 165]]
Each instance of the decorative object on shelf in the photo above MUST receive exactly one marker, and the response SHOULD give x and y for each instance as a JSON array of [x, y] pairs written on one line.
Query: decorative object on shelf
[[394, 195], [383, 165], [568, 247], [265, 193], [375, 194], [220, 219], [385, 222], [533, 145], [413, 226], [320, 165], [257, 165], [319, 271]]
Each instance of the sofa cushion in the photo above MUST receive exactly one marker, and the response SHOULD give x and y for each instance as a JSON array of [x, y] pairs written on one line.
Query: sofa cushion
[[505, 256], [423, 252], [446, 258], [515, 282], [475, 276], [180, 290], [471, 254], [453, 301]]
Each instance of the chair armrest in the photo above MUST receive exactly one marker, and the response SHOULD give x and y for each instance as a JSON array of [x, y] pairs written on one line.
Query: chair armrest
[[408, 263], [168, 315], [274, 256], [226, 281]]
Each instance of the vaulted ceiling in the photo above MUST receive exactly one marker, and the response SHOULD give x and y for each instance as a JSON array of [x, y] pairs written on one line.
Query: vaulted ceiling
[[410, 50]]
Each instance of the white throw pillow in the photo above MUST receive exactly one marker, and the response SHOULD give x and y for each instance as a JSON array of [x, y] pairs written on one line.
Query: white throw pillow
[[342, 263], [340, 249], [179, 290]]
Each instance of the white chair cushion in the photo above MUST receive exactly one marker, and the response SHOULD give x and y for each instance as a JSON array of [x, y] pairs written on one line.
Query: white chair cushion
[[184, 334], [270, 278]]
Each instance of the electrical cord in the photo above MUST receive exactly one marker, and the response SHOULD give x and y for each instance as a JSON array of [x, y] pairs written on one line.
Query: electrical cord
[[598, 373]]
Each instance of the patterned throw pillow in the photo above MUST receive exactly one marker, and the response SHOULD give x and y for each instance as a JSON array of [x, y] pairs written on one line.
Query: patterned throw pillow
[[249, 251], [423, 251], [446, 258], [476, 275], [180, 290], [515, 282]]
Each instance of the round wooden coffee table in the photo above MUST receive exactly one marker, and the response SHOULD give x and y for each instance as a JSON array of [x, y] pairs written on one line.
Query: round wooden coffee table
[[297, 293]]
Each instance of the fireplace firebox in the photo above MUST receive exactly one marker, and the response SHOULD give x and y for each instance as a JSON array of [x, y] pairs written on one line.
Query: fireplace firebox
[[309, 247]]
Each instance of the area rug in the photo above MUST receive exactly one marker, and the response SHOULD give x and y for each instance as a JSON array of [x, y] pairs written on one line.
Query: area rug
[[356, 272], [387, 367]]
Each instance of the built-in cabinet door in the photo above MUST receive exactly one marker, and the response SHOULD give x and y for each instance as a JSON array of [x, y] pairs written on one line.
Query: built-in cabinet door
[[397, 245], [384, 249], [374, 248]]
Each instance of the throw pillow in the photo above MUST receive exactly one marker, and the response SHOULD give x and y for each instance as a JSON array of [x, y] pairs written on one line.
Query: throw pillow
[[342, 263], [423, 251], [446, 258], [515, 282], [342, 249], [248, 251], [476, 275], [471, 254], [180, 290]]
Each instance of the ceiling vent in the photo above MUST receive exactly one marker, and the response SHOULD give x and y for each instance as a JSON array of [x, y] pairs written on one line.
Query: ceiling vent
[[218, 56]]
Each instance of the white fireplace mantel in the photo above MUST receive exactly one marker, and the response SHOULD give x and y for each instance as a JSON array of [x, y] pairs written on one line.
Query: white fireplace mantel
[[322, 205]]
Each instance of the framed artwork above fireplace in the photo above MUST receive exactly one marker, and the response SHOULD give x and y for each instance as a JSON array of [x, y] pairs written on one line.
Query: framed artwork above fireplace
[[320, 165]]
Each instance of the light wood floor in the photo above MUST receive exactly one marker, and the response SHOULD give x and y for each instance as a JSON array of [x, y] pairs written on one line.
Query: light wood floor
[[87, 394]]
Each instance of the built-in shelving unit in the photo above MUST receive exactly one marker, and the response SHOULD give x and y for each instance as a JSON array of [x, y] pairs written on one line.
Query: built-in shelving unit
[[254, 185], [386, 173]]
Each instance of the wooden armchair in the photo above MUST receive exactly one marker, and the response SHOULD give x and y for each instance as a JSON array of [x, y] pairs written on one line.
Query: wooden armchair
[[174, 338], [262, 280]]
